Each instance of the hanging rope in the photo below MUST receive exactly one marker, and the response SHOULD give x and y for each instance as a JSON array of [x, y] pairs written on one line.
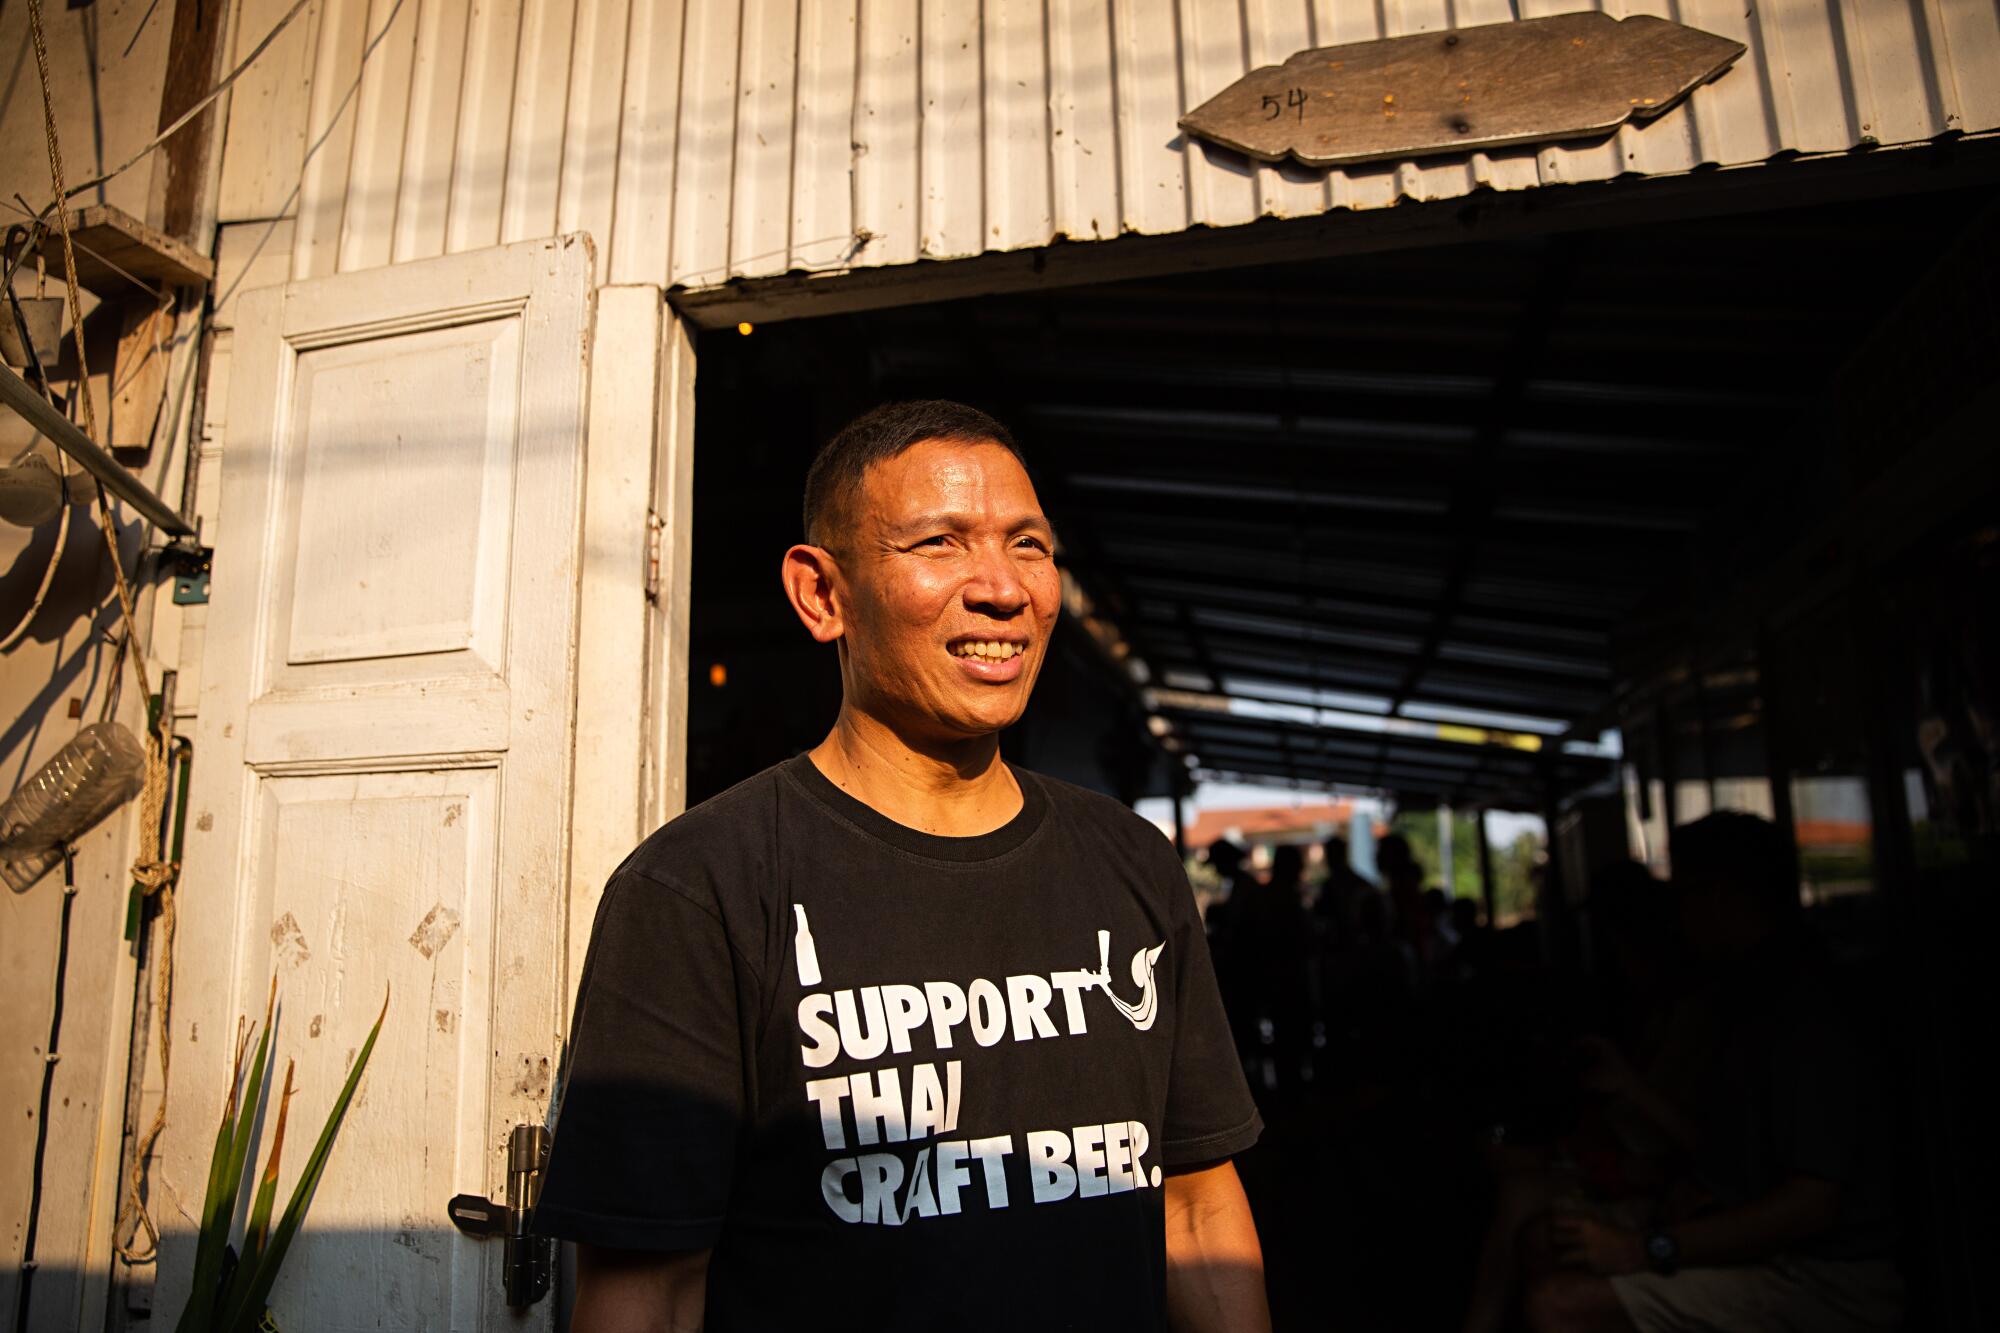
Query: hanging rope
[[153, 876]]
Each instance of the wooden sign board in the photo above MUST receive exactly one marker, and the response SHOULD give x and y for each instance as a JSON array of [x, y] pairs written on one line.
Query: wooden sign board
[[1565, 77]]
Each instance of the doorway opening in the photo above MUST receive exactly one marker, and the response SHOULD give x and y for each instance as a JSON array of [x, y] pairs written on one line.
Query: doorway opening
[[1513, 527]]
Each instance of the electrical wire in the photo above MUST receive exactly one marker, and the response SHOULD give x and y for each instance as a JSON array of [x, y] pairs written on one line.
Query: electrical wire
[[187, 117], [50, 1055]]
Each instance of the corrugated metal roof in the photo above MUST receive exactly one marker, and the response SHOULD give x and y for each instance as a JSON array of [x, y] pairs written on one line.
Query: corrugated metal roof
[[704, 141]]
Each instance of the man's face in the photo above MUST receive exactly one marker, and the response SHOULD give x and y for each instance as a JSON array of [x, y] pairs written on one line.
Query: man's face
[[952, 590]]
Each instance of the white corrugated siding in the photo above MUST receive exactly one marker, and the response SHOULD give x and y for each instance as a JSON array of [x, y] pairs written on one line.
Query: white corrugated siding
[[700, 140]]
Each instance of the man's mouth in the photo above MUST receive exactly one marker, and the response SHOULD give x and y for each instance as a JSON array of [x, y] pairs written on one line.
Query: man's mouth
[[987, 650]]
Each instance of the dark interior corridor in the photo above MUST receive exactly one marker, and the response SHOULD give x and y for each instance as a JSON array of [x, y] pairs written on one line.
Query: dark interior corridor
[[1616, 527]]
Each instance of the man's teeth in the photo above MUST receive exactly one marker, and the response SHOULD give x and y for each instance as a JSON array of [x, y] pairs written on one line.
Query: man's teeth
[[988, 649]]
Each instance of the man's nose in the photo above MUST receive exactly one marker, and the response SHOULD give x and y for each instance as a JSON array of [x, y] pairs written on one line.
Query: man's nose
[[996, 584]]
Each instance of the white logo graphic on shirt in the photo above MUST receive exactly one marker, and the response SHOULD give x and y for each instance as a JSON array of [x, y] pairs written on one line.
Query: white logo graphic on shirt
[[1140, 1015], [805, 954], [875, 1118], [802, 948]]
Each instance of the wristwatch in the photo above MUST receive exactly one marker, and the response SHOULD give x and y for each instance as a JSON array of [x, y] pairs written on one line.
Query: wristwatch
[[1662, 1255]]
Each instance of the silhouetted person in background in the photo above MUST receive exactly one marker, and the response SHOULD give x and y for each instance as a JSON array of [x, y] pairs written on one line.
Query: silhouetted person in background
[[1226, 859], [1367, 976], [1272, 954], [1785, 1223], [1469, 939], [1403, 877], [1234, 973], [1637, 1076], [1339, 896], [1437, 914]]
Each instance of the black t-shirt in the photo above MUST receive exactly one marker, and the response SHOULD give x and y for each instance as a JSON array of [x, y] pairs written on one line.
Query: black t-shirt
[[897, 1080], [1791, 1090]]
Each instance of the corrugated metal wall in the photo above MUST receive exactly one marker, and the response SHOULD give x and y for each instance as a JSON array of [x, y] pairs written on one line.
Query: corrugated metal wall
[[700, 140]]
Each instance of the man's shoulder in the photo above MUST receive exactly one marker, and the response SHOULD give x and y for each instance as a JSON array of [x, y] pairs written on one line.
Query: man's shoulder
[[1122, 828], [712, 842]]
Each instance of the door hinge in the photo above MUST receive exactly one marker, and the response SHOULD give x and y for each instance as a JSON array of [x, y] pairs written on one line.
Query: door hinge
[[190, 562], [525, 1265], [655, 529]]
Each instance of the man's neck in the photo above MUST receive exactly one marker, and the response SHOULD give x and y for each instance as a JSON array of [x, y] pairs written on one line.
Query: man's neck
[[956, 790]]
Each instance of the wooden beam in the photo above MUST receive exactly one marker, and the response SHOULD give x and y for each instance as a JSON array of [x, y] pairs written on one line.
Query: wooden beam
[[1305, 647], [194, 56], [1252, 595]]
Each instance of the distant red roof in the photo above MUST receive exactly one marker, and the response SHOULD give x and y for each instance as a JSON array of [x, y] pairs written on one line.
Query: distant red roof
[[1268, 823], [1832, 832]]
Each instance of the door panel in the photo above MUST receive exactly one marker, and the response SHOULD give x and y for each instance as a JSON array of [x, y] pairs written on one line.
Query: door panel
[[344, 864], [391, 553], [384, 754]]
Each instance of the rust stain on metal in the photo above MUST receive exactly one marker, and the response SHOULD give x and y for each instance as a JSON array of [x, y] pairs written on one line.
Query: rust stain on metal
[[434, 931]]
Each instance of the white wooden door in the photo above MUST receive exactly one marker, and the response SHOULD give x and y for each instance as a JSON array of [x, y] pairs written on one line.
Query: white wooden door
[[383, 761]]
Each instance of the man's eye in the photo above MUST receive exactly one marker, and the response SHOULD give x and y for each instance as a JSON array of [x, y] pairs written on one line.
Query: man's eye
[[938, 540], [1035, 544]]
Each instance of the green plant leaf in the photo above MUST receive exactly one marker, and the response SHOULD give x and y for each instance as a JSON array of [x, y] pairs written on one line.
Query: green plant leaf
[[246, 1116], [199, 1313], [258, 1226], [247, 1312], [218, 1207]]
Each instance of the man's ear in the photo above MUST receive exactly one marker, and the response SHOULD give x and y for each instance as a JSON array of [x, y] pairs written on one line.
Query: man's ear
[[808, 574]]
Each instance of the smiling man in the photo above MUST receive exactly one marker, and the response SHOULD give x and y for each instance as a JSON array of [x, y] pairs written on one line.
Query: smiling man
[[894, 1035]]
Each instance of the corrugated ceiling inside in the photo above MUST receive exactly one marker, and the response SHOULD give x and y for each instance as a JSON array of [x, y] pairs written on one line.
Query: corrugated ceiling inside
[[1343, 511]]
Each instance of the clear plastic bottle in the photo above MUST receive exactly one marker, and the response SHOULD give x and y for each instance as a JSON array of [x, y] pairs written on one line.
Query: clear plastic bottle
[[88, 778]]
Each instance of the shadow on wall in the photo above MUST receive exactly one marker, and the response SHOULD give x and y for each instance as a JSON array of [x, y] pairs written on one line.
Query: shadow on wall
[[358, 1297], [437, 1279], [336, 1279]]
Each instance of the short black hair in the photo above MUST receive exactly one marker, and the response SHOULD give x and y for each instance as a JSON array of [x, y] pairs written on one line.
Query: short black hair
[[1745, 852], [880, 434], [1393, 849]]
